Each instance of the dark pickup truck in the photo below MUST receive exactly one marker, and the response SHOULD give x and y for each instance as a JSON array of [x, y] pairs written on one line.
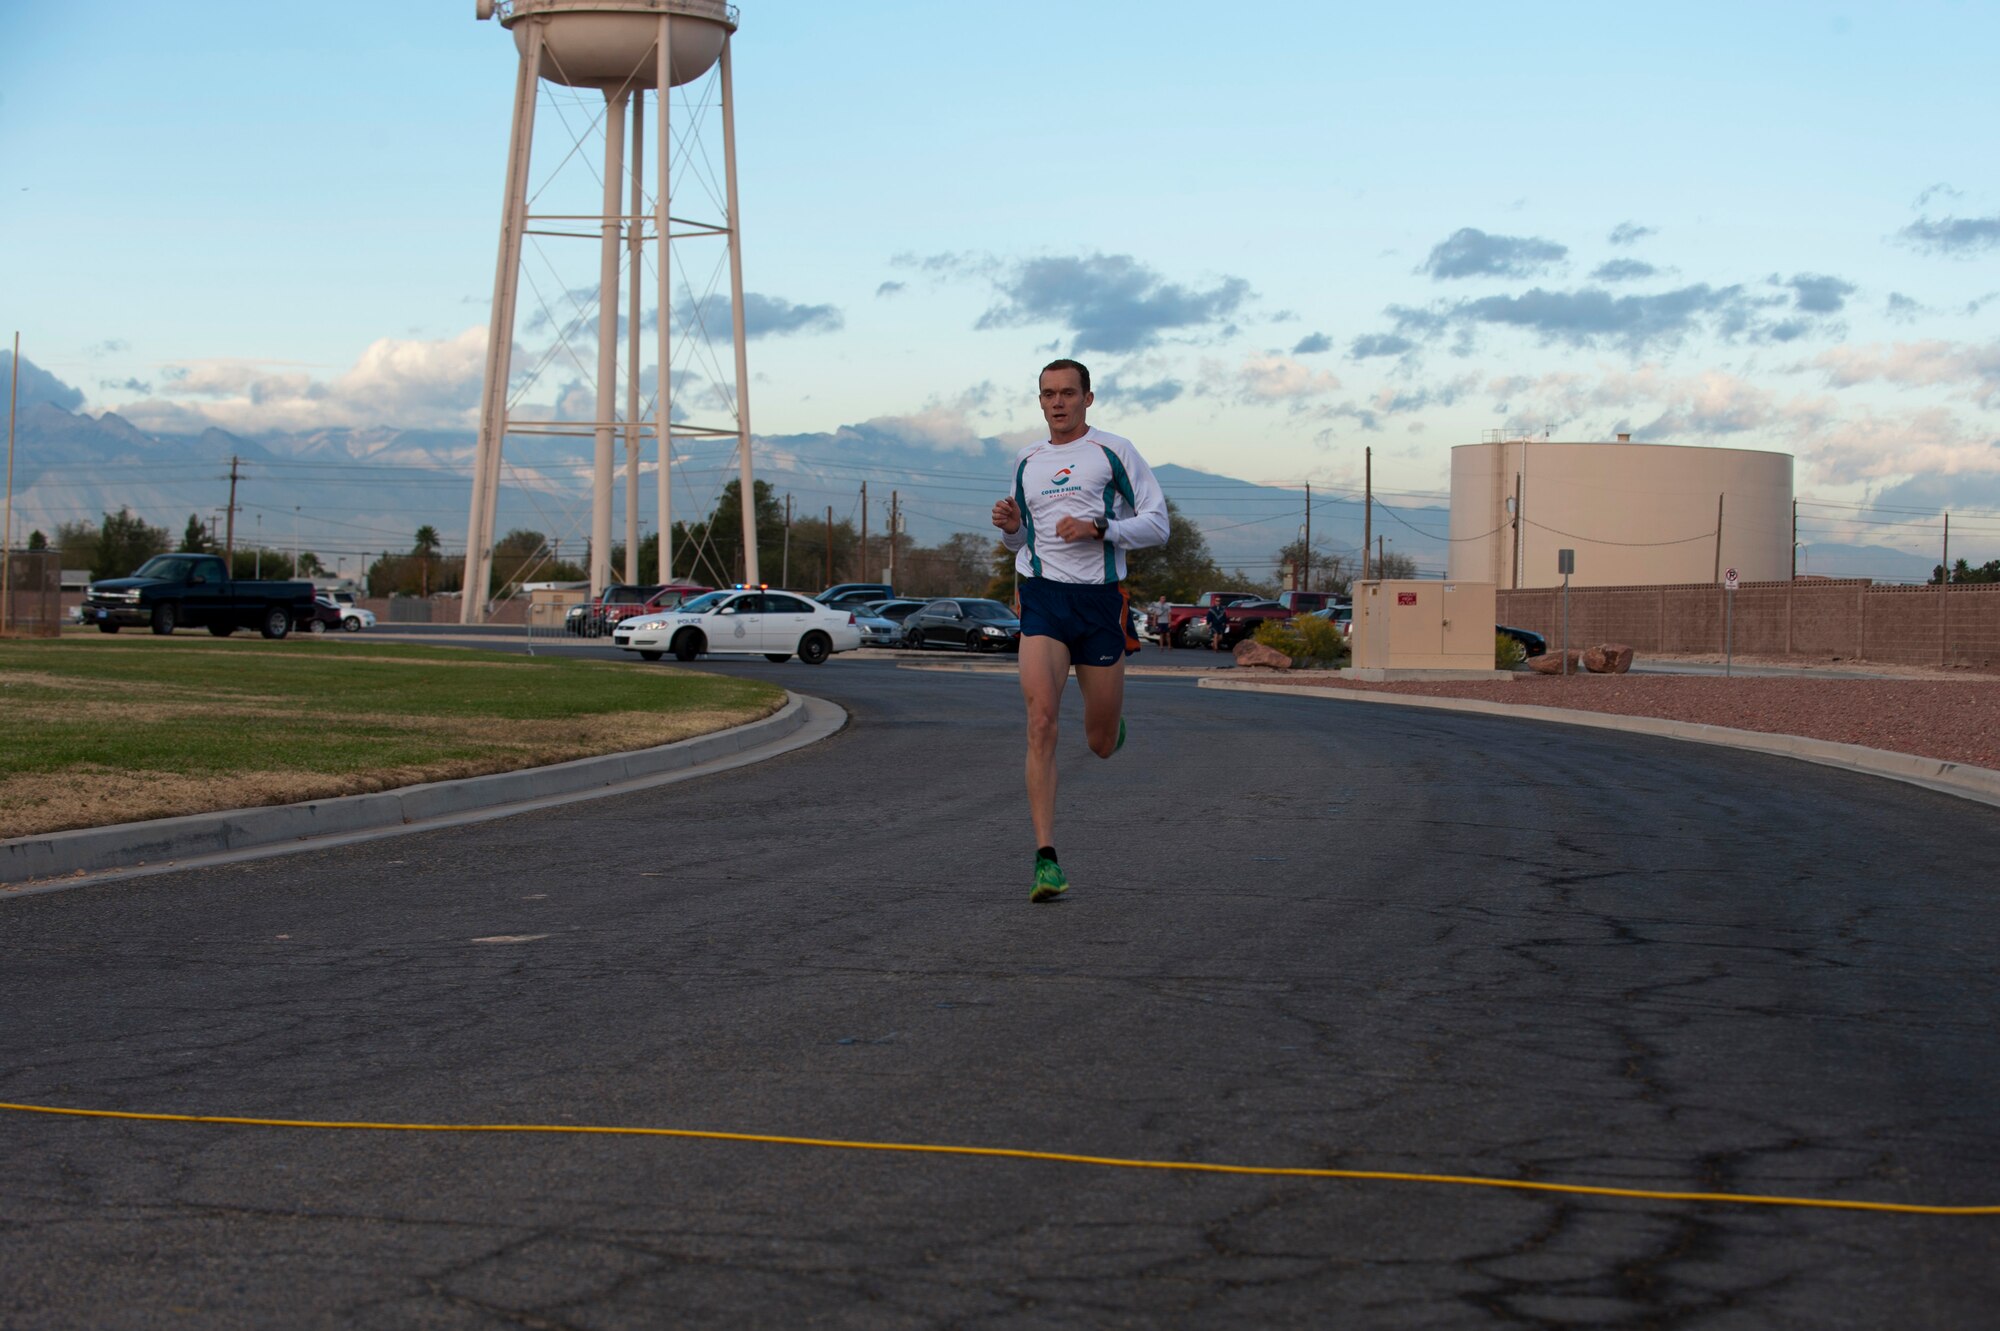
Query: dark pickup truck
[[195, 591]]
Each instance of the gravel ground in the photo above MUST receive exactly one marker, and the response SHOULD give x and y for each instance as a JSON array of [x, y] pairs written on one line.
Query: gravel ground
[[1957, 720]]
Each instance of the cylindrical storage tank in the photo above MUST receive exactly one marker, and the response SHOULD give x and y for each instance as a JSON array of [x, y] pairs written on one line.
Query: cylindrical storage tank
[[1636, 514], [609, 44]]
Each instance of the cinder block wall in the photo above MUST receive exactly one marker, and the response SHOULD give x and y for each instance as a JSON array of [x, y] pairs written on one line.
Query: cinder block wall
[[1853, 620]]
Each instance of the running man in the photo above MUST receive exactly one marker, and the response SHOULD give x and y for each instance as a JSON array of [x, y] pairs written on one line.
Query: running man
[[1081, 499]]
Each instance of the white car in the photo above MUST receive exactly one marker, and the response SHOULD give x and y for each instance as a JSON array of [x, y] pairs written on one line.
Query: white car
[[750, 621], [352, 617]]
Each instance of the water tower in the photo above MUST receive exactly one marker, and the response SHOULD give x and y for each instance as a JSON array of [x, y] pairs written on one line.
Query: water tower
[[621, 49]]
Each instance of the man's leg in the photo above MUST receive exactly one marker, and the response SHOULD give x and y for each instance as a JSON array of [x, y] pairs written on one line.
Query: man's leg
[[1044, 671], [1103, 689]]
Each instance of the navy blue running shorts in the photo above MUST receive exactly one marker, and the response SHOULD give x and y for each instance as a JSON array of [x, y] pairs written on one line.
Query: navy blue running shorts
[[1092, 619]]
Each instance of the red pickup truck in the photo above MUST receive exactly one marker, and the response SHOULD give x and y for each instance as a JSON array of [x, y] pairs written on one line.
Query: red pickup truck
[[1187, 625]]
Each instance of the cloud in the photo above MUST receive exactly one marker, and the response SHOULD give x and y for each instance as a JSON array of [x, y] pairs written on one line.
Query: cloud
[[1469, 252], [1899, 308], [1312, 344], [1378, 344], [1623, 270], [1588, 316], [406, 383], [127, 385], [38, 385], [1973, 370], [942, 425], [1271, 378], [1144, 397], [1630, 233], [890, 288], [1709, 404], [110, 346], [1958, 237], [1866, 446], [1816, 293], [1109, 302], [763, 316]]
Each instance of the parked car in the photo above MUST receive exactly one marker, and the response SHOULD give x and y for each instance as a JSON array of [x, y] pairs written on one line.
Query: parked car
[[876, 630], [195, 591], [865, 591], [622, 600], [749, 621], [897, 608], [969, 623], [1306, 602], [324, 617], [353, 617], [1532, 643]]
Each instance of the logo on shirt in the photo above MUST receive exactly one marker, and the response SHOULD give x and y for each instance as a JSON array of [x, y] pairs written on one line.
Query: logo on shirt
[[1060, 483]]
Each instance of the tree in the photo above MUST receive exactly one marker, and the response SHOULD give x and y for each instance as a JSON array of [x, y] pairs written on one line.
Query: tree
[[124, 542], [78, 543], [37, 541], [425, 549], [809, 551], [194, 541], [1322, 571], [526, 556], [715, 545], [1178, 571], [310, 565], [1394, 565]]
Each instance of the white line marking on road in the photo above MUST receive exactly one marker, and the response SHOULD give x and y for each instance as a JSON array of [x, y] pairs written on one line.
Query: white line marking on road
[[510, 938]]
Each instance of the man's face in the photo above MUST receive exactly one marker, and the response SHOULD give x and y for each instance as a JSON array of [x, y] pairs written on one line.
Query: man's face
[[1064, 402]]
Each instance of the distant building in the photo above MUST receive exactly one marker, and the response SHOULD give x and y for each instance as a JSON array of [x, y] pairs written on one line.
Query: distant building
[[1636, 514]]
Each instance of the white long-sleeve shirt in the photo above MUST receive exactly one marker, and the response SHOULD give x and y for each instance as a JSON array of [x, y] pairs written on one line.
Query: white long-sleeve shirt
[[1098, 475]]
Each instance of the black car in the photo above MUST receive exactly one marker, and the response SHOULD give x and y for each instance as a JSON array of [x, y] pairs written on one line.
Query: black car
[[968, 623], [897, 608], [854, 591], [1532, 643]]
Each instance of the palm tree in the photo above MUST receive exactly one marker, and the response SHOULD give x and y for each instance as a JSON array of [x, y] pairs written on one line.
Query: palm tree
[[426, 546]]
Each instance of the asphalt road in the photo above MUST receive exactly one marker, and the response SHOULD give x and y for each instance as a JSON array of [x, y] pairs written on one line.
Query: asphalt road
[[1301, 934]]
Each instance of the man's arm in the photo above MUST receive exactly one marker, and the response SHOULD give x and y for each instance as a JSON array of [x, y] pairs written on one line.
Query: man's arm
[[1148, 525]]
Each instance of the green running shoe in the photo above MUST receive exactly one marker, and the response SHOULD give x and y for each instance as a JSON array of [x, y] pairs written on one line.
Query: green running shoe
[[1049, 880], [1121, 736]]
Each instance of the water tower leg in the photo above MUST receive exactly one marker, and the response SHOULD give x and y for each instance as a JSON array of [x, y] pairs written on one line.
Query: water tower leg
[[500, 339], [663, 397], [633, 232], [748, 480], [607, 343]]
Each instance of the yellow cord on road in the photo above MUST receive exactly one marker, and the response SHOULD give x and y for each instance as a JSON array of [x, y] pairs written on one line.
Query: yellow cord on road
[[1055, 1157]]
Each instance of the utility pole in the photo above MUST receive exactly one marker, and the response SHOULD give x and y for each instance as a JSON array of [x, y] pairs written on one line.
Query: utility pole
[[1517, 530], [1309, 536], [788, 541], [895, 530], [829, 545], [7, 539], [229, 542], [1718, 540], [1795, 539], [864, 533], [1381, 555], [1944, 606], [1367, 507]]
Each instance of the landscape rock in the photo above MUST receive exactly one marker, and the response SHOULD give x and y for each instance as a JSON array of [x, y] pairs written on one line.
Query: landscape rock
[[1250, 652], [1595, 661], [1551, 663], [1620, 657]]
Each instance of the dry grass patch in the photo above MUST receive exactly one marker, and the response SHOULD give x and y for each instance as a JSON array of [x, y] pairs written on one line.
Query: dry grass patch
[[138, 731]]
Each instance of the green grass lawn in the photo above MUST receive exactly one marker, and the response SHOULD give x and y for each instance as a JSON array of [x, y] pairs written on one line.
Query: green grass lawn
[[98, 731]]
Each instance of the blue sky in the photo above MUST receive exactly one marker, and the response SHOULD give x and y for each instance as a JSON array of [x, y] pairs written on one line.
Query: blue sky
[[1279, 233]]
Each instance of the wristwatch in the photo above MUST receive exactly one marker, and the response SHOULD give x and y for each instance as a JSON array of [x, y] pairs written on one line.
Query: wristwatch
[[1101, 525]]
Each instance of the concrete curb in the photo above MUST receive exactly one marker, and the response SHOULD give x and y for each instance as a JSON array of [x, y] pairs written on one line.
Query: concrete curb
[[1978, 784], [180, 842]]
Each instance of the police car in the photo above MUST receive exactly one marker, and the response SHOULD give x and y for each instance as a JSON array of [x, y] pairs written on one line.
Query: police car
[[742, 620]]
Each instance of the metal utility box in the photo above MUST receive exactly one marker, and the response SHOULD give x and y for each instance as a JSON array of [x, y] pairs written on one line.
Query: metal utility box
[[1408, 624]]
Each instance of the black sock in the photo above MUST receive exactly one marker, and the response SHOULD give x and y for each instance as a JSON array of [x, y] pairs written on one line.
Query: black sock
[[1047, 853]]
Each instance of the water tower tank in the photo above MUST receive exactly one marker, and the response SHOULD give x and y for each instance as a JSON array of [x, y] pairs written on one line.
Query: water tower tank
[[608, 44]]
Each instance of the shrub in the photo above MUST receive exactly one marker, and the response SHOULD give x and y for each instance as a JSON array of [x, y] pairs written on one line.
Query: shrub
[[1307, 639], [1507, 652]]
